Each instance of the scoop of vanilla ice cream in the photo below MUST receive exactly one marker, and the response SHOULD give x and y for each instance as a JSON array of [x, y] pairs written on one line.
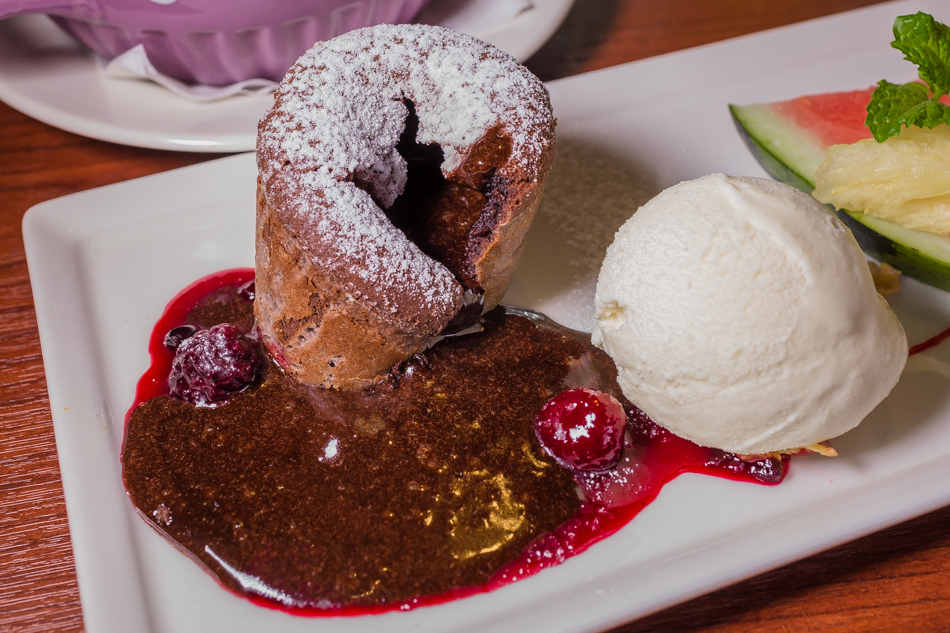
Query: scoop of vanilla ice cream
[[741, 315]]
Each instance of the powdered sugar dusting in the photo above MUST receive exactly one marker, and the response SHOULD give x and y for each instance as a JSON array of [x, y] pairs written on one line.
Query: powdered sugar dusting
[[360, 244], [330, 140], [340, 108]]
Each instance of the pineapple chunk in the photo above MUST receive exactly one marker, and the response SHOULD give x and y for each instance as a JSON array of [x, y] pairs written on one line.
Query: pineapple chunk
[[905, 179]]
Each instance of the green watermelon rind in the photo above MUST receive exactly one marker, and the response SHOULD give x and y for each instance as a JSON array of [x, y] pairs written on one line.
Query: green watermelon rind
[[918, 254], [788, 155]]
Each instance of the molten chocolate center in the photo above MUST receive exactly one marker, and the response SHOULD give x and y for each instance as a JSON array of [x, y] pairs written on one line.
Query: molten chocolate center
[[450, 219]]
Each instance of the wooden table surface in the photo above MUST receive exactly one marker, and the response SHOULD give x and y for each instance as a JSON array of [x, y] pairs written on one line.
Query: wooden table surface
[[895, 580]]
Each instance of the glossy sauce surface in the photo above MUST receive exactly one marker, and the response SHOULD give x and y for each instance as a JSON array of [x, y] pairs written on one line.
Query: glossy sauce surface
[[430, 486]]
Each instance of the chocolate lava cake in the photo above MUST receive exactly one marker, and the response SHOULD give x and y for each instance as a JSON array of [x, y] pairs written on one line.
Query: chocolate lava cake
[[399, 171]]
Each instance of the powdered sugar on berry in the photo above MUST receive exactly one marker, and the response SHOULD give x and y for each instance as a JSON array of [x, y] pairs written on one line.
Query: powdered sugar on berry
[[212, 364]]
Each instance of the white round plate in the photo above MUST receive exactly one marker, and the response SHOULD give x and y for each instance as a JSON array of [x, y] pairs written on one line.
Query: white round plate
[[47, 75]]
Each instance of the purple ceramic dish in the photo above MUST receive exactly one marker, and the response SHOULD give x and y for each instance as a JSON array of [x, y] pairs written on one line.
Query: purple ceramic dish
[[214, 42]]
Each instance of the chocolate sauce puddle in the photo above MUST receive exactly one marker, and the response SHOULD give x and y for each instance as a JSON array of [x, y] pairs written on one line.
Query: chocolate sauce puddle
[[428, 487]]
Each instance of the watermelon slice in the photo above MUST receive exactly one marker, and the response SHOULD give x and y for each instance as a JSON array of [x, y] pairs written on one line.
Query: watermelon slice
[[789, 139]]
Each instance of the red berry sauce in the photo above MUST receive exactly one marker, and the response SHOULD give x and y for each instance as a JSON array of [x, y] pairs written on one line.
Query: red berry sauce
[[428, 487], [933, 341]]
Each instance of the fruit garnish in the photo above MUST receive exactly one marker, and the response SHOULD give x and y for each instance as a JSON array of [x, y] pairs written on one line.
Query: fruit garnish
[[903, 179], [926, 43], [790, 140], [212, 364], [582, 429]]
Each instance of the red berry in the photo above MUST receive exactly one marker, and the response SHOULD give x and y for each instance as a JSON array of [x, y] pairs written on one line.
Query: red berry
[[212, 364], [582, 429]]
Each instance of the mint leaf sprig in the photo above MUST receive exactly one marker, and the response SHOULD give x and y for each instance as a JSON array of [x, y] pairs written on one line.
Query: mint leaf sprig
[[926, 43]]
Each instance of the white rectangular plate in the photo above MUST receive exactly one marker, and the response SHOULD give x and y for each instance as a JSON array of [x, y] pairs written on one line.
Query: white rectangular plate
[[105, 262]]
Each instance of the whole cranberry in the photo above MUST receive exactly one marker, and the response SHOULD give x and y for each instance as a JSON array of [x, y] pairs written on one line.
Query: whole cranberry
[[212, 364], [582, 429]]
